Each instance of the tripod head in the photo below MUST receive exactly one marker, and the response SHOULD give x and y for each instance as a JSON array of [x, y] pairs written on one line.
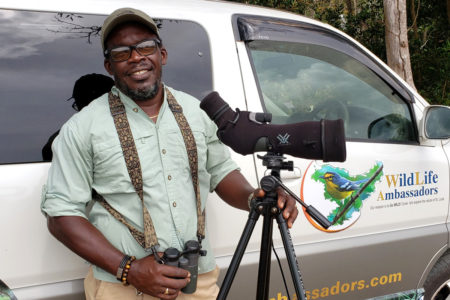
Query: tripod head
[[276, 162]]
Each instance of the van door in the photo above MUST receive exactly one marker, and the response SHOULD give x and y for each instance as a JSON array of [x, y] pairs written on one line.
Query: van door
[[381, 242]]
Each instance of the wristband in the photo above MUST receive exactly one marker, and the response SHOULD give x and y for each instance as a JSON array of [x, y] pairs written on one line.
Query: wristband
[[121, 267]]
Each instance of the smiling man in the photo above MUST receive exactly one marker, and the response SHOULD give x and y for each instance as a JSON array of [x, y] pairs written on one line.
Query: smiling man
[[148, 156]]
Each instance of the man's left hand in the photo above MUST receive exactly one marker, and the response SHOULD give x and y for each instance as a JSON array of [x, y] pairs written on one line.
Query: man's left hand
[[285, 202]]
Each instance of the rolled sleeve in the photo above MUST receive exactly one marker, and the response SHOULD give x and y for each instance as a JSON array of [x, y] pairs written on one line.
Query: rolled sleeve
[[68, 188], [219, 163]]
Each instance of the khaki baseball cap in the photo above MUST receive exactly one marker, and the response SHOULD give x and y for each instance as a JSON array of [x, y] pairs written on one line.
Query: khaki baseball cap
[[123, 15]]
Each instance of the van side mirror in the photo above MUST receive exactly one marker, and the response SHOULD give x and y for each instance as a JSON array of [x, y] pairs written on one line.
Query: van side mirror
[[436, 122]]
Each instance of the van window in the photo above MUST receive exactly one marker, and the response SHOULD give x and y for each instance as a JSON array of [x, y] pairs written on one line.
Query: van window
[[305, 82], [307, 73], [44, 53]]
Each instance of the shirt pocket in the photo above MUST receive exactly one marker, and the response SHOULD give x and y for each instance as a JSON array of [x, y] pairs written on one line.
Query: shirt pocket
[[110, 170], [173, 151]]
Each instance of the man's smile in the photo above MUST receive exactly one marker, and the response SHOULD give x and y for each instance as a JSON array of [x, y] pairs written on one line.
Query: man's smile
[[140, 74]]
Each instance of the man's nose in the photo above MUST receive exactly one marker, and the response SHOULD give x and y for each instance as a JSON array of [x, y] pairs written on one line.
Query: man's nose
[[135, 55]]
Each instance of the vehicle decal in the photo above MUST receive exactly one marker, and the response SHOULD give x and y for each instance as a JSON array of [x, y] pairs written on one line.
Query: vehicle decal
[[408, 185], [343, 193], [409, 188], [340, 288]]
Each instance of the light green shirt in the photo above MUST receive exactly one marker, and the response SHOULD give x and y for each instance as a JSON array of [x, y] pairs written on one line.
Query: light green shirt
[[87, 155]]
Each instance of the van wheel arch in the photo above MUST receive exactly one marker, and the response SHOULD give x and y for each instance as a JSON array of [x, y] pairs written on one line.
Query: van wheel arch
[[437, 284]]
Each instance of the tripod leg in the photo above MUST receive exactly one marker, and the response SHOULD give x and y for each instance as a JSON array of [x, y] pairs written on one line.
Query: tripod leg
[[262, 292], [237, 257], [291, 257]]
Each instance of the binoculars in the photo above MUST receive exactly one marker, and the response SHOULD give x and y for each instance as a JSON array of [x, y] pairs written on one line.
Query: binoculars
[[188, 260]]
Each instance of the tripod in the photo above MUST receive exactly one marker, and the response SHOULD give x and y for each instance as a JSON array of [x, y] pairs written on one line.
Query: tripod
[[267, 206]]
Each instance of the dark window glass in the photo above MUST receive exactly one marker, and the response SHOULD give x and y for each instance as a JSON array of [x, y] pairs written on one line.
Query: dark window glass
[[43, 54]]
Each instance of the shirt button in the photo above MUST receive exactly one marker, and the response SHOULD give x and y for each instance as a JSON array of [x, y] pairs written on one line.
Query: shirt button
[[169, 177], [163, 151], [174, 204], [135, 109]]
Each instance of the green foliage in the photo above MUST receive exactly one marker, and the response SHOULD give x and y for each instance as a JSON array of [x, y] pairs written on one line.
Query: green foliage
[[367, 26], [290, 5], [429, 45]]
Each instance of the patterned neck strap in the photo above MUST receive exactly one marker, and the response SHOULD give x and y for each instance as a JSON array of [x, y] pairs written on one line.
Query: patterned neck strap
[[148, 240]]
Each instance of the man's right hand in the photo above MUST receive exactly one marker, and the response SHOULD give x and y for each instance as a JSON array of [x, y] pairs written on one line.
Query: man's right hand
[[146, 275], [152, 278]]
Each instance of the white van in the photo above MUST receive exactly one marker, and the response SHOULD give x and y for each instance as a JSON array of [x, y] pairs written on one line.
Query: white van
[[393, 241]]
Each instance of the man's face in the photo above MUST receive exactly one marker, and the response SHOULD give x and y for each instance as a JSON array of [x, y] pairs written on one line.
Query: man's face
[[139, 77]]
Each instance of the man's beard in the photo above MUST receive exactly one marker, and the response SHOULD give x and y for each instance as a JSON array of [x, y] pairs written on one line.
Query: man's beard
[[139, 94]]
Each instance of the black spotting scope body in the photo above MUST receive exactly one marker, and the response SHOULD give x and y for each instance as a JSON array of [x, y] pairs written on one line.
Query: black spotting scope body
[[243, 133]]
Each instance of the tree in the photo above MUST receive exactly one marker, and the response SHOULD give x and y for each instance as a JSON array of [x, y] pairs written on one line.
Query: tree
[[448, 11], [396, 35], [351, 6], [430, 49]]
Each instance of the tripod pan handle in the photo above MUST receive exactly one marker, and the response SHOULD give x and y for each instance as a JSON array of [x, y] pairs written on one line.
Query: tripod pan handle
[[318, 217]]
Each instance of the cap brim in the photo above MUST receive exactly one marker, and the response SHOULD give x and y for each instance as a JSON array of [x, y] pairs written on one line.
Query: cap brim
[[132, 17]]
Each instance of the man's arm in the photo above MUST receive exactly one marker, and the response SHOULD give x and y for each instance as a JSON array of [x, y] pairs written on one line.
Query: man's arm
[[235, 190], [85, 240], [145, 274]]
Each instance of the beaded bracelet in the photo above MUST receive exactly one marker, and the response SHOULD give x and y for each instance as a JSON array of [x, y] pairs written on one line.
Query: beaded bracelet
[[126, 269], [121, 266]]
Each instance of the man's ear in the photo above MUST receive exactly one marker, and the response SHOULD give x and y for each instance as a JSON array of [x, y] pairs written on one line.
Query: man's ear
[[108, 67], [163, 55]]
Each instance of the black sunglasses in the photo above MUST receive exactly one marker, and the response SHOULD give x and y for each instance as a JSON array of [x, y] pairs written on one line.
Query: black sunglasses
[[123, 53]]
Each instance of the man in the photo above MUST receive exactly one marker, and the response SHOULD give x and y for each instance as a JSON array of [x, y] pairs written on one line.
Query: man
[[92, 152]]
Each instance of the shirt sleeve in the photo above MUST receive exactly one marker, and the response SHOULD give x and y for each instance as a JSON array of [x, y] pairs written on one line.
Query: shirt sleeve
[[68, 188], [219, 163]]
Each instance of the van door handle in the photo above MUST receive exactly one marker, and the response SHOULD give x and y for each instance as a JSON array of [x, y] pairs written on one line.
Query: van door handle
[[295, 174]]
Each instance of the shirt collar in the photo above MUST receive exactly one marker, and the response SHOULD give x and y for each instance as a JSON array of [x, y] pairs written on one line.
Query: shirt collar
[[131, 104]]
